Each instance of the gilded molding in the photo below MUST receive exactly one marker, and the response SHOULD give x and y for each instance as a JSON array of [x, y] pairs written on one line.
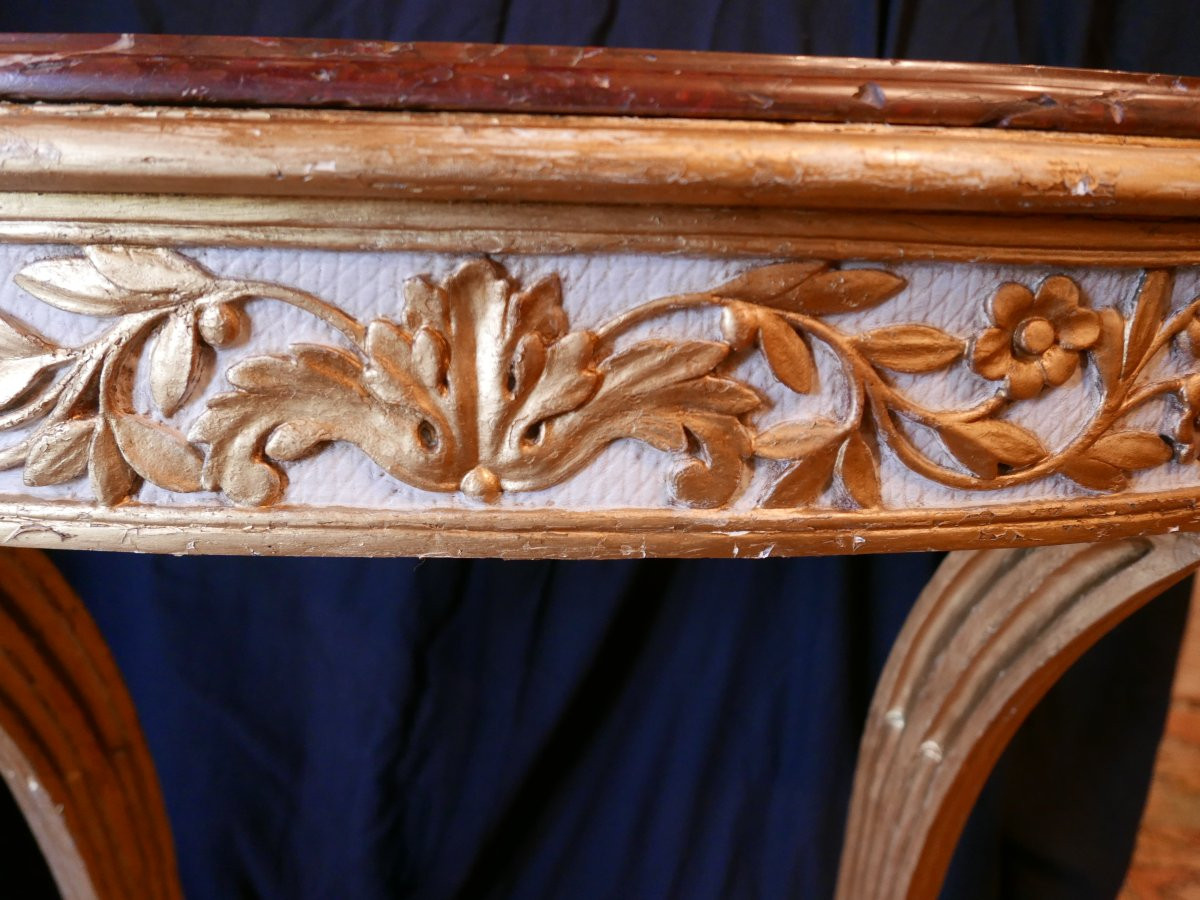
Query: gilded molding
[[480, 385]]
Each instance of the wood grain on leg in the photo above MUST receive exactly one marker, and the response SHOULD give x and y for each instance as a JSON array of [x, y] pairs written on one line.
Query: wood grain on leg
[[71, 750], [992, 631]]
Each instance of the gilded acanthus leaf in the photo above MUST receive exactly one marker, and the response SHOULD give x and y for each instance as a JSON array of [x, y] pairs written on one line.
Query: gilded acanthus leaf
[[662, 393], [479, 384], [711, 479], [296, 440], [317, 393]]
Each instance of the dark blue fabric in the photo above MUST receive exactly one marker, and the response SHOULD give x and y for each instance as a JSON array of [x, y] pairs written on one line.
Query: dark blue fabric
[[585, 730], [363, 729], [439, 729]]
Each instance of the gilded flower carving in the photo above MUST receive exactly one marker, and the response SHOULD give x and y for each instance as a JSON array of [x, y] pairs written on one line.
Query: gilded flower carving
[[1037, 338]]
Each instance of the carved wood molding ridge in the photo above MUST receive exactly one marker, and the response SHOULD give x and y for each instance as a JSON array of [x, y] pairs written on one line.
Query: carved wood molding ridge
[[480, 385]]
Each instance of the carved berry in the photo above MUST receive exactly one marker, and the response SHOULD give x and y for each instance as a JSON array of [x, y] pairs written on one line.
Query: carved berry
[[739, 325], [220, 324]]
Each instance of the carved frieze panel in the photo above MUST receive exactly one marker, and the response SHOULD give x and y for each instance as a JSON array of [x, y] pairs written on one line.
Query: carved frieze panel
[[279, 378]]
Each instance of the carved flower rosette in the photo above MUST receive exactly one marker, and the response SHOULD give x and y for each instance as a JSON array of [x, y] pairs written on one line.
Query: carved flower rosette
[[481, 385]]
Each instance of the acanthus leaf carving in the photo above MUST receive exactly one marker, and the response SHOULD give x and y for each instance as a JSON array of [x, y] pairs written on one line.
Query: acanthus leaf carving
[[479, 384]]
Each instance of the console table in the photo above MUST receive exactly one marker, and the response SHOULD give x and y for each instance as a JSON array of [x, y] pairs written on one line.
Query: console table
[[318, 297]]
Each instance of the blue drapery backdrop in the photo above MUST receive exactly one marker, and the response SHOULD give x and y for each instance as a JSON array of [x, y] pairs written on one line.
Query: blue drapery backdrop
[[644, 729]]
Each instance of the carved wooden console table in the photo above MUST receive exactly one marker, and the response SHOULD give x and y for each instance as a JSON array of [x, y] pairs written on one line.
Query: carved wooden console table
[[329, 298]]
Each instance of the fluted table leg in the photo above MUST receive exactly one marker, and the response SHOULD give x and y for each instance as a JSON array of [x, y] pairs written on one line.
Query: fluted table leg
[[989, 635], [71, 750]]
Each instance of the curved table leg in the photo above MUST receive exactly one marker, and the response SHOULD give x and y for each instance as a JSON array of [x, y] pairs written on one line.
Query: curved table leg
[[71, 750], [989, 635]]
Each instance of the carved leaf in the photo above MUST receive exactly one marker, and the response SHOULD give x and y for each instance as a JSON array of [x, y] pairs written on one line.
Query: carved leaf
[[430, 357], [296, 440], [425, 304], [711, 479], [669, 396], [538, 309], [858, 465], [112, 478], [59, 452], [787, 354], [1192, 335], [910, 348], [147, 269], [286, 405], [1109, 351], [565, 381], [76, 286], [765, 283], [174, 360], [845, 290], [18, 375], [158, 453], [1153, 300], [528, 364], [391, 373], [807, 480], [1131, 450], [796, 440], [73, 285], [983, 446], [17, 340], [1095, 474]]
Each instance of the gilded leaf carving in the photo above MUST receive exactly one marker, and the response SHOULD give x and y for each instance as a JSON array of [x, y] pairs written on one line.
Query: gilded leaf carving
[[482, 385]]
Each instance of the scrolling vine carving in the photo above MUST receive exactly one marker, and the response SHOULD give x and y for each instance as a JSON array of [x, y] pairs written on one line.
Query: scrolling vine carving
[[482, 386]]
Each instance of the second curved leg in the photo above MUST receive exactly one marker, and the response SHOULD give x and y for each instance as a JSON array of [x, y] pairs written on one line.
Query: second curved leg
[[990, 634]]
